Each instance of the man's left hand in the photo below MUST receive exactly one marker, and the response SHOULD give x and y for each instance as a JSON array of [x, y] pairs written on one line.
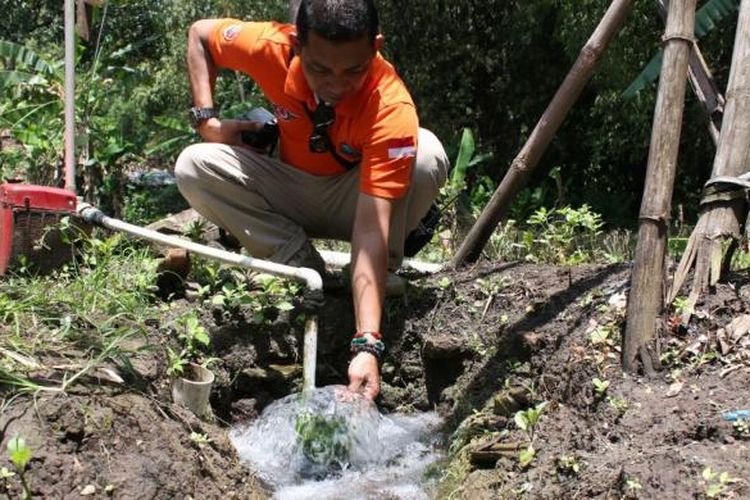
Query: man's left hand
[[364, 375]]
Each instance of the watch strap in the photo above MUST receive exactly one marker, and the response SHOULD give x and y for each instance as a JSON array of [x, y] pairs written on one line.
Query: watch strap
[[198, 115]]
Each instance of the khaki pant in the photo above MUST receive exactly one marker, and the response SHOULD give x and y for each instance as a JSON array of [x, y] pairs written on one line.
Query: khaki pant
[[273, 208]]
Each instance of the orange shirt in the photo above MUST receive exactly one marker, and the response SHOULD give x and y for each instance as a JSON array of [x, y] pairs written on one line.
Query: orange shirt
[[376, 127]]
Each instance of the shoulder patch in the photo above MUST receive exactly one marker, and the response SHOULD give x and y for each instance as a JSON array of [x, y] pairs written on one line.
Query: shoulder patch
[[231, 32], [283, 113], [403, 147]]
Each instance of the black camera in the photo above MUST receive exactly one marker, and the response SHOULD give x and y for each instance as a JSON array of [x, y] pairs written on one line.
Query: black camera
[[267, 136]]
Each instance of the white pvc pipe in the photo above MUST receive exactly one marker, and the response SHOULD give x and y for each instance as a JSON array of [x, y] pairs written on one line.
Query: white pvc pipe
[[70, 91], [340, 259], [309, 276]]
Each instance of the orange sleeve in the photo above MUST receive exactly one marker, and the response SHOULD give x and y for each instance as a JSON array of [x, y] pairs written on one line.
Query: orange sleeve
[[390, 152], [246, 46]]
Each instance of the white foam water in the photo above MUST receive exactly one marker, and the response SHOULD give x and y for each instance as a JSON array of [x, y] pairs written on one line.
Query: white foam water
[[386, 455]]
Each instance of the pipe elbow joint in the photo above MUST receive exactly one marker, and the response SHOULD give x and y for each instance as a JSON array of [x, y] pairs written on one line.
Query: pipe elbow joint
[[312, 278]]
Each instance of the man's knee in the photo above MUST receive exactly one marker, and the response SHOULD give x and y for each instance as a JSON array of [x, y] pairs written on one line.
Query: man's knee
[[432, 164], [187, 168]]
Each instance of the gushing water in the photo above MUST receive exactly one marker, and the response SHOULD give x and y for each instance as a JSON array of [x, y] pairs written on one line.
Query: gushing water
[[330, 443]]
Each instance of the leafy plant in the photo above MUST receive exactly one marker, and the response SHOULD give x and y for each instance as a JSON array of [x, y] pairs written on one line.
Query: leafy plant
[[324, 440], [632, 485], [192, 334], [527, 420], [600, 386], [741, 428], [568, 465], [232, 297], [682, 305], [193, 337], [620, 404], [199, 440], [20, 454], [177, 362], [563, 235], [716, 483]]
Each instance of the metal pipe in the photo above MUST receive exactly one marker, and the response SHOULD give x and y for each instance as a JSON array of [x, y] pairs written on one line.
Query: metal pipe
[[309, 276], [70, 91]]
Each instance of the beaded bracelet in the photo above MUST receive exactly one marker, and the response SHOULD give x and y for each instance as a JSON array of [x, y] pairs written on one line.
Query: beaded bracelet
[[375, 335], [361, 344]]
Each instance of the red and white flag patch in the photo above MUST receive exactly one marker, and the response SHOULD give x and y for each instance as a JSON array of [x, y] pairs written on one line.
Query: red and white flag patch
[[402, 148], [231, 32]]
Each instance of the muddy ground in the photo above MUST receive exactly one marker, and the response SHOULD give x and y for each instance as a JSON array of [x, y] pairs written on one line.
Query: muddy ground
[[479, 345]]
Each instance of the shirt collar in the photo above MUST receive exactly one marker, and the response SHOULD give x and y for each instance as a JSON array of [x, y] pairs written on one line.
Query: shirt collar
[[296, 87]]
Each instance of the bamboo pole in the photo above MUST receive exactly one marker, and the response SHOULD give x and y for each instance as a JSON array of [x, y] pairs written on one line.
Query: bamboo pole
[[646, 300], [722, 215], [703, 84], [529, 156]]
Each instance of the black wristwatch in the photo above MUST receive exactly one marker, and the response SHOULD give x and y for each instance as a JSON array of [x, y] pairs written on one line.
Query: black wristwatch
[[199, 115]]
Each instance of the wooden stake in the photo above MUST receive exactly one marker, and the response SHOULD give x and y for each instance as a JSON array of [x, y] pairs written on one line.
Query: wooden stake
[[722, 216], [703, 84], [646, 301], [528, 159]]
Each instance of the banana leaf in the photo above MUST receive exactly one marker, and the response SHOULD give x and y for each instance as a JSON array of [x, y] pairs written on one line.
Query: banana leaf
[[18, 56], [707, 19]]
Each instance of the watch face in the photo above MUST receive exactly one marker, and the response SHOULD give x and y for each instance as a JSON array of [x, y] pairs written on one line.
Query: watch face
[[199, 115]]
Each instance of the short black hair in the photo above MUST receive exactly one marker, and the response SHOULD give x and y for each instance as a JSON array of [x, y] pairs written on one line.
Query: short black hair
[[337, 20]]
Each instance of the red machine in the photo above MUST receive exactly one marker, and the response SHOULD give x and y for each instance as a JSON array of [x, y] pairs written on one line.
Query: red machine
[[28, 216]]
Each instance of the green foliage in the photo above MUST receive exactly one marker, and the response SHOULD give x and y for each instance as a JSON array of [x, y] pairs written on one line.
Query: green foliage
[[716, 484], [324, 440], [526, 420], [568, 465], [19, 453], [707, 18], [600, 386], [563, 235], [193, 338], [192, 334], [741, 428], [94, 305], [682, 305], [146, 205], [199, 440], [489, 67]]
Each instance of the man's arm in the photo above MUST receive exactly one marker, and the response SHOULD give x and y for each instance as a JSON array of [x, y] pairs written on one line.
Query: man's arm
[[369, 274], [202, 73]]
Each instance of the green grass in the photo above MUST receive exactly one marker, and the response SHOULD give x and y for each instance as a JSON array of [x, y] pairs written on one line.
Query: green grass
[[75, 319]]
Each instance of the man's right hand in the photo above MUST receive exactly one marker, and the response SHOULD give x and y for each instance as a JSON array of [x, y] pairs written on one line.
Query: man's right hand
[[226, 131]]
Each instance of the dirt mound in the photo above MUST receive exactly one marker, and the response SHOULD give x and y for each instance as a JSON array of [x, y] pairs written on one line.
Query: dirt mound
[[482, 345]]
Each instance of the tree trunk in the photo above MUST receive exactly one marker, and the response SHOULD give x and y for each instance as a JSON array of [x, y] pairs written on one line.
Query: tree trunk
[[529, 156], [723, 212], [646, 300]]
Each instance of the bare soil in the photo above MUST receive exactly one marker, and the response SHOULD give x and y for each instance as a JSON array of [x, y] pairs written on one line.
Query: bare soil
[[478, 345]]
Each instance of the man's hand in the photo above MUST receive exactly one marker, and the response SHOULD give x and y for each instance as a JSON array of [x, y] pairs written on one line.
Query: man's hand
[[227, 131], [364, 376]]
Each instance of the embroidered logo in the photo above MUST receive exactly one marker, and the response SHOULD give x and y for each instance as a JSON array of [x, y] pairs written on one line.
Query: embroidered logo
[[401, 148], [231, 32], [283, 113]]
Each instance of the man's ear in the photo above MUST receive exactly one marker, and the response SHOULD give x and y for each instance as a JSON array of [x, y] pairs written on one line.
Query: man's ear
[[379, 41], [296, 44]]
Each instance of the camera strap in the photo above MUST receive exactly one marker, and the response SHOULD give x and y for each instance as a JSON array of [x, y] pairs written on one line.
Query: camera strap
[[348, 165]]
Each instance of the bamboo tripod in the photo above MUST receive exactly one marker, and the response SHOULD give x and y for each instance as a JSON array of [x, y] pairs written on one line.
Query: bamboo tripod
[[722, 216]]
